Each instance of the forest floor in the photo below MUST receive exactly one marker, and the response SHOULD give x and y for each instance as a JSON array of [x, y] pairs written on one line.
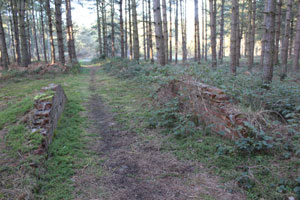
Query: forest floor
[[106, 147], [134, 165]]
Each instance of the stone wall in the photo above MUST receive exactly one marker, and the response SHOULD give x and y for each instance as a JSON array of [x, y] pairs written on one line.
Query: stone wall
[[48, 107]]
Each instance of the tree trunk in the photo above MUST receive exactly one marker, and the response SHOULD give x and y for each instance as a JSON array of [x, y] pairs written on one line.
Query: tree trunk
[[176, 32], [263, 41], [130, 32], [183, 34], [253, 33], [270, 39], [136, 46], [126, 41], [99, 28], [233, 37], [28, 27], [221, 33], [291, 36], [205, 30], [212, 13], [159, 33], [3, 47], [285, 45], [52, 48], [238, 43], [144, 31], [250, 13], [203, 27], [112, 29], [150, 33], [23, 35], [43, 31], [297, 42], [16, 30], [12, 38], [121, 29], [103, 11], [34, 32], [70, 33], [170, 32], [278, 27], [60, 39], [197, 34], [165, 25]]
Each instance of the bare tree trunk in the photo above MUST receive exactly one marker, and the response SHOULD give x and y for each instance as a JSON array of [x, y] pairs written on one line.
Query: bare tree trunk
[[249, 39], [212, 12], [28, 27], [221, 33], [121, 29], [103, 11], [23, 35], [233, 37], [238, 43], [176, 32], [144, 30], [278, 27], [183, 28], [136, 46], [203, 35], [170, 32], [34, 32], [147, 30], [126, 38], [130, 32], [43, 31], [99, 28], [285, 45], [150, 33], [16, 30], [197, 34], [70, 33], [165, 28], [52, 48], [291, 36], [205, 30], [112, 28], [60, 39], [12, 38], [159, 33], [263, 41], [270, 39], [3, 47], [297, 42], [253, 33]]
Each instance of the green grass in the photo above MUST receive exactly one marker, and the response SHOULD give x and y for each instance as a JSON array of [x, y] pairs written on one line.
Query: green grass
[[127, 88]]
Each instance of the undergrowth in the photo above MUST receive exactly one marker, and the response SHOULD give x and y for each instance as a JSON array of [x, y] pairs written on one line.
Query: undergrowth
[[265, 165]]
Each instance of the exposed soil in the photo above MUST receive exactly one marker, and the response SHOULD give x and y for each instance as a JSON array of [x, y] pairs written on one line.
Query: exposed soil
[[136, 168]]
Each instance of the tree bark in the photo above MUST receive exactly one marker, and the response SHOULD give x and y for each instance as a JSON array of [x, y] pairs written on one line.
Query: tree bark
[[285, 45], [249, 39], [183, 31], [136, 46], [150, 33], [165, 28], [103, 11], [253, 33], [16, 30], [52, 48], [205, 30], [291, 36], [221, 33], [197, 34], [278, 27], [130, 32], [112, 29], [159, 33], [170, 32], [263, 41], [144, 30], [60, 40], [12, 38], [24, 45], [297, 42], [121, 29], [176, 32], [3, 47], [233, 37], [34, 32], [70, 33], [238, 43], [43, 31], [99, 28], [270, 39], [126, 40], [212, 12]]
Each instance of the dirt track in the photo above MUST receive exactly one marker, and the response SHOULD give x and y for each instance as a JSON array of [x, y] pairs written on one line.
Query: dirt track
[[137, 169]]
